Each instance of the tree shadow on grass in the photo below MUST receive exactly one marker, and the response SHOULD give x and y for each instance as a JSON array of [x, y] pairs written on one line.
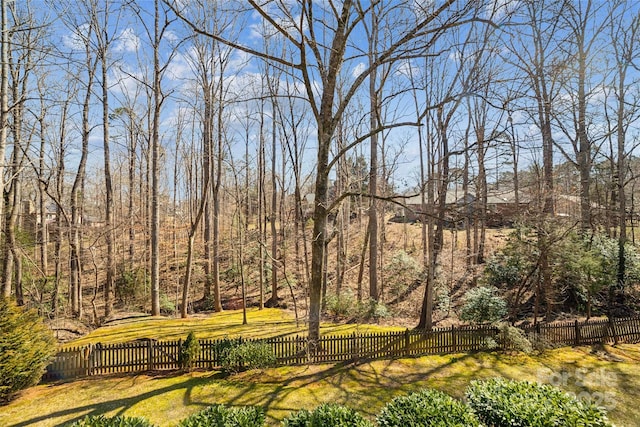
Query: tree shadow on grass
[[365, 385], [120, 405]]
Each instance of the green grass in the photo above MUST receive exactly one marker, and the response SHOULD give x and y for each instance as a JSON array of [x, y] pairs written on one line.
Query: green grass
[[612, 376], [261, 324], [165, 400]]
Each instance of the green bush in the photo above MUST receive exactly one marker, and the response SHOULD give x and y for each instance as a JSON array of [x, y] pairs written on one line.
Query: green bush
[[167, 306], [426, 408], [346, 305], [326, 415], [342, 305], [26, 348], [247, 355], [483, 305], [223, 416], [512, 338], [118, 421], [400, 272], [377, 311], [130, 285], [189, 351], [499, 402]]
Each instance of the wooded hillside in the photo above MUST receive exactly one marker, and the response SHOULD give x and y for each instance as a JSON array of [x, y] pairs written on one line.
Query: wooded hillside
[[357, 158]]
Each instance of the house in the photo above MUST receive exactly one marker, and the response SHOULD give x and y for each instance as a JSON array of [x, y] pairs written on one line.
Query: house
[[502, 207]]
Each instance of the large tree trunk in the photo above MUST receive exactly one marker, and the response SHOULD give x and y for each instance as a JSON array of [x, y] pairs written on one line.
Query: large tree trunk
[[373, 184], [4, 110], [215, 272], [155, 169], [108, 187], [274, 210]]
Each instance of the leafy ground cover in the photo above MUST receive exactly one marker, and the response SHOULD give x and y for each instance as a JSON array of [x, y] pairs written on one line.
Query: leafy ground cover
[[609, 375]]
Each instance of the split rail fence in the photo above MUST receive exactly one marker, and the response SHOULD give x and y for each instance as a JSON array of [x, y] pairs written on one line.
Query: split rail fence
[[151, 355]]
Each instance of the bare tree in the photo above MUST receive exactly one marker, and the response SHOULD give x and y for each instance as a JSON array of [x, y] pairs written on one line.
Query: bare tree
[[22, 60], [623, 32], [4, 105], [156, 33], [533, 48], [584, 23], [321, 54], [83, 57]]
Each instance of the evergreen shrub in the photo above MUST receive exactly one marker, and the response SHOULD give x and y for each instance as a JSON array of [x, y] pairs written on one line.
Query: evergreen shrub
[[506, 403], [224, 416], [483, 305], [512, 338], [426, 408], [189, 351], [26, 348], [326, 415], [247, 355]]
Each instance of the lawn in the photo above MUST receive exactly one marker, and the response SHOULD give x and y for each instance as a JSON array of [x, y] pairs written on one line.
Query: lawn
[[266, 323], [610, 376]]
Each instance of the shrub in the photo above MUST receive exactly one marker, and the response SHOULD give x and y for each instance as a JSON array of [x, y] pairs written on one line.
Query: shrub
[[130, 285], [499, 402], [377, 310], [189, 351], [327, 415], [401, 271], [346, 305], [223, 416], [342, 305], [247, 355], [426, 408], [166, 305], [26, 348], [483, 305], [512, 338], [117, 421]]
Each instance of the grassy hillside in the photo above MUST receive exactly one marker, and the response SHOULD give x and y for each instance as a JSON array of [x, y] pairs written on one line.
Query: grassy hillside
[[269, 322]]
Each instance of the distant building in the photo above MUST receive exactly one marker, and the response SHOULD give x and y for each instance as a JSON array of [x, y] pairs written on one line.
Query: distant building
[[502, 209]]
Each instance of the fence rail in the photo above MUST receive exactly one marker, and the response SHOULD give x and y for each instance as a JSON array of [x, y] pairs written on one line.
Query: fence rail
[[151, 355]]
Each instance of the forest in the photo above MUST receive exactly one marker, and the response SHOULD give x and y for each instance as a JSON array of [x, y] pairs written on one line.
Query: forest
[[330, 157]]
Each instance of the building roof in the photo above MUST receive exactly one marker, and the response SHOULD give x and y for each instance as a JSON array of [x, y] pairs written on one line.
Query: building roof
[[456, 195]]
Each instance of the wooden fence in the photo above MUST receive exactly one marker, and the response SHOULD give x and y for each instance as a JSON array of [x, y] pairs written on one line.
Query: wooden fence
[[151, 355]]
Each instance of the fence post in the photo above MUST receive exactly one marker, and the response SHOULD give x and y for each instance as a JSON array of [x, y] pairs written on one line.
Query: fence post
[[88, 360], [354, 347], [150, 365], [577, 333], [611, 329], [454, 339], [406, 342]]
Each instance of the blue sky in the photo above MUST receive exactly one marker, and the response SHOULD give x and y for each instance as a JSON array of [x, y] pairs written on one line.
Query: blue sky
[[131, 61]]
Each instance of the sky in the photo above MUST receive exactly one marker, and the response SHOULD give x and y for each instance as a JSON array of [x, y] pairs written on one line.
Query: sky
[[131, 61]]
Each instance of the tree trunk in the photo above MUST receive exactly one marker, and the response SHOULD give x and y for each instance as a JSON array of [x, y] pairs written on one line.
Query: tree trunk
[[4, 112], [274, 211], [155, 169], [108, 186]]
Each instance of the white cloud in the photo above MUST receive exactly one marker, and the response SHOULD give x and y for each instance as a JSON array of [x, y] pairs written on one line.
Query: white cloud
[[76, 40], [238, 61], [409, 70], [498, 9], [127, 41], [179, 68], [126, 82], [358, 69]]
